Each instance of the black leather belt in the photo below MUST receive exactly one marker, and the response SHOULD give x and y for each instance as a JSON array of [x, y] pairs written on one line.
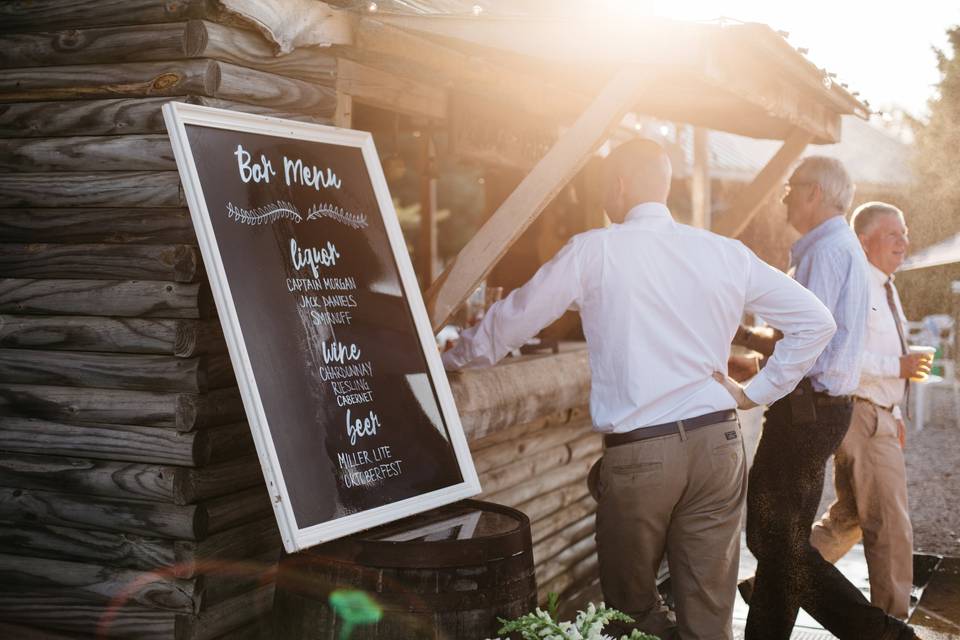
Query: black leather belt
[[820, 398], [669, 428]]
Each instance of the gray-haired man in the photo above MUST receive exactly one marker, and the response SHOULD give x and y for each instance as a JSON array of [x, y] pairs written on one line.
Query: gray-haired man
[[802, 430], [869, 471]]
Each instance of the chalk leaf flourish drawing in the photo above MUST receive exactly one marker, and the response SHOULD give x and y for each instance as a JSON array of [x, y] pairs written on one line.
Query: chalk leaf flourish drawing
[[265, 214], [355, 220]]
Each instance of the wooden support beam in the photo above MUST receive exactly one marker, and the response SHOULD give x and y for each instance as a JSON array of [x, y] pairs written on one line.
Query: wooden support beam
[[771, 177], [537, 189], [700, 180], [426, 250]]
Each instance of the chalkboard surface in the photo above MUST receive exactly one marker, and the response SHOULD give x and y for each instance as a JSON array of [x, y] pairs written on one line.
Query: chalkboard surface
[[341, 379]]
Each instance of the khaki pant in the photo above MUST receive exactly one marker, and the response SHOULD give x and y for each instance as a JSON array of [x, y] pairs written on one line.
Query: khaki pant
[[871, 503], [683, 495]]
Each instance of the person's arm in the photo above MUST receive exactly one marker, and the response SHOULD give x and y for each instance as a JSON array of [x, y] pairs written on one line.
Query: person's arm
[[527, 310], [878, 365], [805, 322], [759, 339]]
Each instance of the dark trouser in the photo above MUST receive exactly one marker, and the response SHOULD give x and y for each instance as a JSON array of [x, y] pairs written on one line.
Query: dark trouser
[[785, 486]]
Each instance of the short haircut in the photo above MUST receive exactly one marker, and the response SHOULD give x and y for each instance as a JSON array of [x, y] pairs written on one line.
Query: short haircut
[[866, 215], [832, 177]]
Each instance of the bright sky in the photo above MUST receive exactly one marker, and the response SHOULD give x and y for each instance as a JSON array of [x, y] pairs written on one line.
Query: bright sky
[[881, 49]]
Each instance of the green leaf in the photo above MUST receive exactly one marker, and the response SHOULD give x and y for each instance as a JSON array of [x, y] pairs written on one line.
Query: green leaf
[[553, 604]]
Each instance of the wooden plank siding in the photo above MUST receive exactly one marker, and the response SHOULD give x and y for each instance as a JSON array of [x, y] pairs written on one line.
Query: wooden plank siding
[[180, 410], [36, 15], [131, 501], [175, 337], [116, 116]]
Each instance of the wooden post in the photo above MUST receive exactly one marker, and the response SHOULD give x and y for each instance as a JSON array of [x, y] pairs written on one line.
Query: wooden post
[[537, 189], [426, 252], [748, 202], [343, 117], [700, 180]]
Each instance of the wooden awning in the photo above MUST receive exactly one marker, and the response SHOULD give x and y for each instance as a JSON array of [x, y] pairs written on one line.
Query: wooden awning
[[584, 76], [741, 78]]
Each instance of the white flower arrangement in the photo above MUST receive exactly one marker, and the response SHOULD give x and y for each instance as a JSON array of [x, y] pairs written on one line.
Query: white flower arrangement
[[588, 625]]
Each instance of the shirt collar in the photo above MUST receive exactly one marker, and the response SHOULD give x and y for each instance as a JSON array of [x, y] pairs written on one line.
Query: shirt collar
[[878, 275], [824, 229], [648, 212]]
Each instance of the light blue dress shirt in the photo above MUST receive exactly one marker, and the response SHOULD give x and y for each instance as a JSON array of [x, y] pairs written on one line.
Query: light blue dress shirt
[[830, 262]]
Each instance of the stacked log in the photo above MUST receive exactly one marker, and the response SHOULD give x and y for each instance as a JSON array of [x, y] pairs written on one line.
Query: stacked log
[[131, 501], [534, 453]]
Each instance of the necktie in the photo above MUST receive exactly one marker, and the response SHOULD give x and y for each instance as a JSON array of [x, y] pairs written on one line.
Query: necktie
[[888, 285]]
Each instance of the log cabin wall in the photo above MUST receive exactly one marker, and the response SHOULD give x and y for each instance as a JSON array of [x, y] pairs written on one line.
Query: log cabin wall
[[131, 501], [533, 444]]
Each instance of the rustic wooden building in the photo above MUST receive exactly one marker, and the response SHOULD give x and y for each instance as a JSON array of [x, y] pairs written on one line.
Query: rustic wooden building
[[131, 502]]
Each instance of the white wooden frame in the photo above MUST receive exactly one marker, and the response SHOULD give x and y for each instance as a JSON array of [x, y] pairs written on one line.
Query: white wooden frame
[[177, 115]]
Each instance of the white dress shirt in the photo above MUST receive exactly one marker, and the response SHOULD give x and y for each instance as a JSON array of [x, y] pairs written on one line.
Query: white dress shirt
[[880, 380], [660, 303]]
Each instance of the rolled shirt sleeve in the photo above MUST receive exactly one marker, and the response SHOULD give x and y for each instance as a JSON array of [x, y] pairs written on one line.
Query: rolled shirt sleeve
[[805, 322], [509, 323]]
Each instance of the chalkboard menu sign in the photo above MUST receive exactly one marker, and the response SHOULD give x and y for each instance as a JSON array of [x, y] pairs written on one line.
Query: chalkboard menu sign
[[341, 380]]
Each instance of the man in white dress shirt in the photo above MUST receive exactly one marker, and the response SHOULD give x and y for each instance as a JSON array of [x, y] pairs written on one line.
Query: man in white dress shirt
[[869, 472], [660, 302]]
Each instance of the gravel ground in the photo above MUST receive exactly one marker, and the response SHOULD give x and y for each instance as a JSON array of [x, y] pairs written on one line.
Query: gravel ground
[[933, 474], [933, 477]]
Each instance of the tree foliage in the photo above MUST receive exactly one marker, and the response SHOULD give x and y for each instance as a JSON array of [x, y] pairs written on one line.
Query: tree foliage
[[936, 196]]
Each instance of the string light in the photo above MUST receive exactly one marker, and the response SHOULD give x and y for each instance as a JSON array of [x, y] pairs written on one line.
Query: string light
[[372, 7], [477, 9]]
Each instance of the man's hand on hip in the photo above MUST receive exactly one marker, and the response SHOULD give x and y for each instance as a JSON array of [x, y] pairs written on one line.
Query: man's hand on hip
[[735, 389]]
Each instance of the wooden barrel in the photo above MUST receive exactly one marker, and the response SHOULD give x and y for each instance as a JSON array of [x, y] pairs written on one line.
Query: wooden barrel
[[444, 575]]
